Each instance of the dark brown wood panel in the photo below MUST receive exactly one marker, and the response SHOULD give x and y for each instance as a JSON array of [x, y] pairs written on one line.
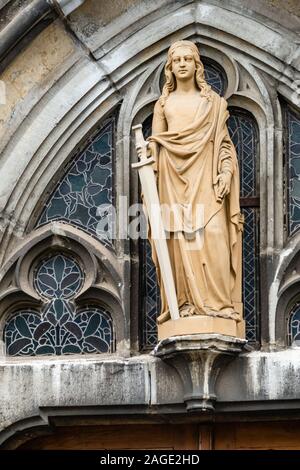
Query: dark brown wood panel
[[164, 436], [257, 436], [275, 435]]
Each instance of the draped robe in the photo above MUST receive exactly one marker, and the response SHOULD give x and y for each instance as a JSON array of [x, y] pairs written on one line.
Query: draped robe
[[206, 268]]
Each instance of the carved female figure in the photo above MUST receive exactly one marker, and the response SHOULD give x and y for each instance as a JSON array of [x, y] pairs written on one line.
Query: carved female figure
[[197, 170]]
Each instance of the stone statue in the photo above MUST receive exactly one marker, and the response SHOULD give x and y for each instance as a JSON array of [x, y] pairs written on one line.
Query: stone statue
[[197, 172]]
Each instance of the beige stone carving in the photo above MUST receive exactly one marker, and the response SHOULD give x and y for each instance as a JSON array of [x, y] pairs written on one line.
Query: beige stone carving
[[198, 180], [153, 209]]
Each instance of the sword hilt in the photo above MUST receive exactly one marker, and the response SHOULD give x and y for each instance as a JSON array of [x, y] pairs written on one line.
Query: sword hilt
[[140, 143]]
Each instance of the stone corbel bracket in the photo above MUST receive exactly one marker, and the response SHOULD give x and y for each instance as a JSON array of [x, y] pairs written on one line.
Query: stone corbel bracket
[[198, 359]]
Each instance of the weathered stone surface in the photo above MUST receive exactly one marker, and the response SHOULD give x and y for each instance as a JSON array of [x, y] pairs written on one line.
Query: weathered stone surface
[[67, 6], [292, 6], [9, 9], [96, 14], [102, 10], [97, 22], [27, 385], [32, 72], [261, 376], [166, 385]]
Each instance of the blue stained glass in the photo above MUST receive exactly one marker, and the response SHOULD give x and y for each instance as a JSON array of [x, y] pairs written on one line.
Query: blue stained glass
[[292, 149], [243, 133], [86, 186], [251, 297], [19, 333], [215, 76], [97, 328], [59, 328], [151, 295], [294, 326], [58, 277]]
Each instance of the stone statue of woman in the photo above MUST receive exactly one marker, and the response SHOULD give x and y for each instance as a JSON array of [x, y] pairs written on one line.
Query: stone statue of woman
[[197, 170]]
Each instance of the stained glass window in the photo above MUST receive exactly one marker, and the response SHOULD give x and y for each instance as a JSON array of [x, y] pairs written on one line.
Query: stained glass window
[[58, 278], [86, 190], [294, 326], [59, 327], [150, 294], [215, 76], [292, 151], [244, 134], [150, 297]]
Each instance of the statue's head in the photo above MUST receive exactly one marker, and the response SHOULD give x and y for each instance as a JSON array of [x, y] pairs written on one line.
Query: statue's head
[[194, 65]]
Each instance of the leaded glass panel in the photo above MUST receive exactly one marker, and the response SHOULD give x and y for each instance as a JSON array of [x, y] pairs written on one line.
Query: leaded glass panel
[[59, 328], [251, 298], [215, 76], [20, 333], [294, 326], [86, 187], [58, 277], [243, 133], [151, 295], [292, 149]]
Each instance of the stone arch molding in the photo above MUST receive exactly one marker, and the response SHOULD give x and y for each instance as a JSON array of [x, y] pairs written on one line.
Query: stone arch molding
[[261, 59], [101, 285], [84, 93], [286, 289]]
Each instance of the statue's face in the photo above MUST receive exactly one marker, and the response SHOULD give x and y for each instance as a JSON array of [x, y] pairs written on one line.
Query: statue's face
[[183, 63]]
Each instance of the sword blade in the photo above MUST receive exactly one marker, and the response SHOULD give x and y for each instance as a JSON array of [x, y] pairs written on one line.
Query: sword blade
[[158, 235]]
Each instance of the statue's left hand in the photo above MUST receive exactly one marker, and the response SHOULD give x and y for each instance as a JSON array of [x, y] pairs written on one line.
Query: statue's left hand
[[223, 180]]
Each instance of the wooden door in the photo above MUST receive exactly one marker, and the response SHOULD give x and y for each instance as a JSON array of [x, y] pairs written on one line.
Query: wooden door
[[142, 436], [277, 435]]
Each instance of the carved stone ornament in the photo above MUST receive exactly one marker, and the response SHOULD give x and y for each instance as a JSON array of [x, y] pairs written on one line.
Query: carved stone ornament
[[189, 169], [198, 359], [197, 233]]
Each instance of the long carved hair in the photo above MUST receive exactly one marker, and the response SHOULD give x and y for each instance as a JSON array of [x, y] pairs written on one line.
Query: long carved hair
[[170, 84]]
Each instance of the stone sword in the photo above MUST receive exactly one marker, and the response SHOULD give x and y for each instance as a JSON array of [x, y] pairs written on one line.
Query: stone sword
[[158, 234]]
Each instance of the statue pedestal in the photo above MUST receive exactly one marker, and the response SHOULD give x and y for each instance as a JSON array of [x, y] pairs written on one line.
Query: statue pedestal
[[199, 324], [198, 359]]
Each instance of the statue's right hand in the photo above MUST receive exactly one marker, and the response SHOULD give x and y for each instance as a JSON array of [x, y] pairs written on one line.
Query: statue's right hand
[[140, 150]]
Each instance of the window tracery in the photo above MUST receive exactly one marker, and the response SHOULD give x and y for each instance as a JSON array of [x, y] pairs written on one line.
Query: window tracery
[[59, 327]]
